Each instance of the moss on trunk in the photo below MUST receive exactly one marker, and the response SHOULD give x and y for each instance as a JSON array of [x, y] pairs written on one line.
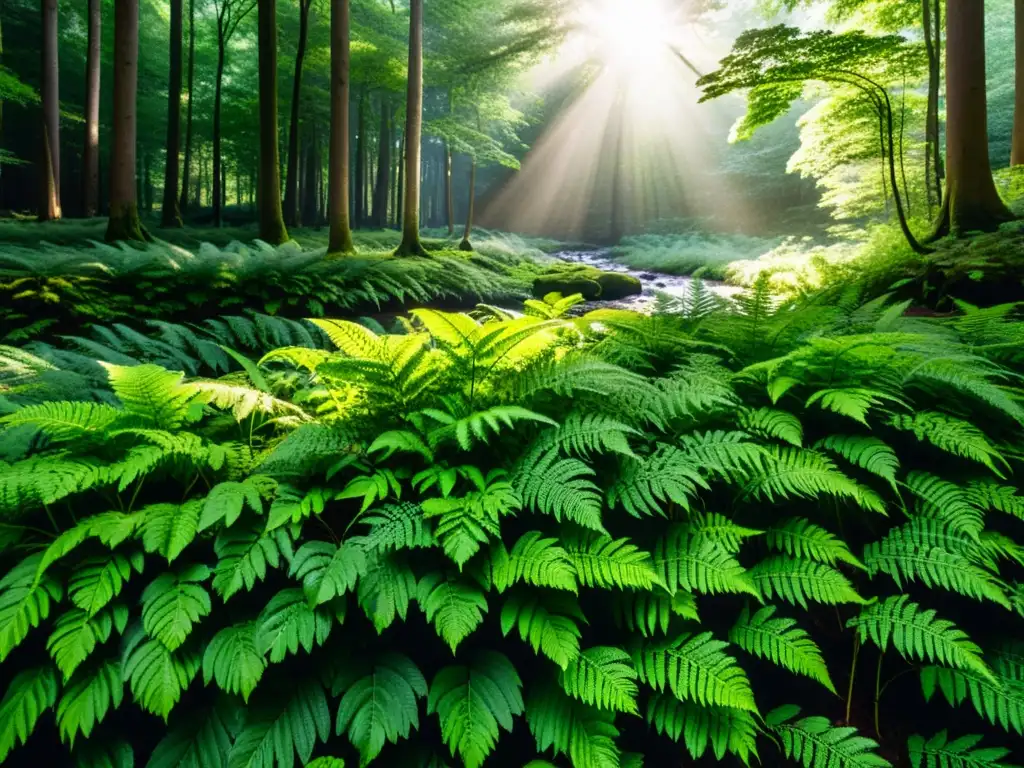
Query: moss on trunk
[[125, 224]]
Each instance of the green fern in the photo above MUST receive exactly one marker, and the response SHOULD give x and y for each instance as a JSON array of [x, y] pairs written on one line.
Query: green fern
[[851, 402], [386, 589], [782, 642], [547, 621], [233, 661], [396, 526], [168, 528], [378, 702], [245, 552], [602, 561], [720, 529], [795, 472], [454, 605], [87, 698], [945, 501], [798, 581], [288, 623], [815, 743], [473, 702], [999, 701], [76, 635], [151, 394], [173, 603], [583, 733], [157, 677], [697, 563], [24, 603], [593, 433], [646, 486], [869, 453], [535, 560], [696, 668], [602, 677], [200, 738], [650, 613], [798, 537], [939, 752], [559, 487], [31, 693], [477, 426], [918, 634], [723, 730], [773, 423], [952, 435], [327, 570]]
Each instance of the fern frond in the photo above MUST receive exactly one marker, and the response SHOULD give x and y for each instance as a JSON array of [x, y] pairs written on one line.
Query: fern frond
[[396, 526], [602, 677], [650, 613], [644, 486], [945, 501], [799, 537], [288, 623], [782, 642], [173, 603], [535, 560], [64, 421], [245, 552], [940, 752], [76, 635], [723, 730], [87, 698], [1000, 702], [568, 727], [869, 453], [604, 562], [201, 737], [816, 743], [952, 435], [152, 395], [851, 402], [721, 530], [559, 487], [798, 581], [774, 424], [327, 570], [233, 661], [695, 563], [547, 621], [455, 606], [157, 677], [477, 426], [584, 434], [386, 589], [31, 693], [24, 602], [807, 474]]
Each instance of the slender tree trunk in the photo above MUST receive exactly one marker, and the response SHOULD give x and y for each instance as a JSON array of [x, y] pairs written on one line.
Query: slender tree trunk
[[272, 229], [309, 189], [91, 148], [380, 191], [124, 221], [360, 188], [972, 202], [49, 183], [1017, 153], [186, 165], [291, 184], [396, 162], [217, 98], [411, 245], [933, 183], [340, 238], [400, 187], [466, 245], [169, 209]]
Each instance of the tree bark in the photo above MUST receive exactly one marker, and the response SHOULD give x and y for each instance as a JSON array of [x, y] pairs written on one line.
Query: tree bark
[[49, 93], [272, 229], [340, 237], [291, 183], [217, 99], [411, 245], [466, 245], [1017, 153], [380, 190], [169, 208], [186, 165], [400, 187], [360, 188], [91, 148], [124, 223], [972, 202], [933, 180]]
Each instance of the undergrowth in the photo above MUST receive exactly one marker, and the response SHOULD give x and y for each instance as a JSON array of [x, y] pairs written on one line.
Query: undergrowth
[[747, 532]]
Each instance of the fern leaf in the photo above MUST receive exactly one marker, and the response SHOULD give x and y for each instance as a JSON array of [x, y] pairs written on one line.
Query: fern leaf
[[698, 564], [807, 474], [396, 526], [379, 703], [151, 394], [280, 726], [696, 668], [226, 500], [721, 530], [473, 702], [288, 623], [650, 613], [782, 642], [98, 580], [988, 495], [583, 733], [773, 423], [385, 590], [87, 699], [202, 738], [946, 501], [156, 676], [31, 693], [24, 603], [64, 421], [327, 570], [76, 635], [798, 581], [173, 603], [646, 485], [559, 487], [547, 622], [815, 743], [245, 553], [602, 677], [869, 453], [401, 440], [113, 753], [604, 562], [799, 537], [455, 606], [353, 339], [233, 661], [851, 402], [1000, 702], [585, 434], [721, 729], [168, 528], [479, 426], [940, 752], [952, 435], [535, 560]]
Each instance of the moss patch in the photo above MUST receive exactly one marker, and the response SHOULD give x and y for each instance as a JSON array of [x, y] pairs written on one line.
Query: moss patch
[[568, 285], [615, 285]]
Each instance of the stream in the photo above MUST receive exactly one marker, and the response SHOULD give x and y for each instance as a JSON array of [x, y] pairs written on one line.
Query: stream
[[653, 282]]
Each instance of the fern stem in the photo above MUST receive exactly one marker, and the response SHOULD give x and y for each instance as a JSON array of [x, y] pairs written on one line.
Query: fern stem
[[53, 520], [878, 693], [40, 531], [853, 673], [135, 493]]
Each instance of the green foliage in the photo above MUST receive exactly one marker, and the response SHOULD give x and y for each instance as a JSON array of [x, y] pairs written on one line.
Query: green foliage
[[815, 743]]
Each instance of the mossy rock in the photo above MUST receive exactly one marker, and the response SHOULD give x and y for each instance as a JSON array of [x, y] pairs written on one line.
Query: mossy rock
[[567, 285], [615, 285]]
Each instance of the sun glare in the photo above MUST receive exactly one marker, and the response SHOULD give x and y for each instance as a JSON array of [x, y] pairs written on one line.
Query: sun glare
[[628, 34]]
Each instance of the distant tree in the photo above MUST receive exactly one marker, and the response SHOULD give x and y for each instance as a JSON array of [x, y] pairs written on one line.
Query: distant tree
[[170, 217], [124, 223], [186, 165], [411, 245], [291, 180], [272, 228], [49, 165], [380, 189], [91, 147], [971, 201], [340, 238]]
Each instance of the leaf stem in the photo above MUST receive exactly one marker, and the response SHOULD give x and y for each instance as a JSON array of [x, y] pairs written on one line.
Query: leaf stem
[[853, 672], [878, 692]]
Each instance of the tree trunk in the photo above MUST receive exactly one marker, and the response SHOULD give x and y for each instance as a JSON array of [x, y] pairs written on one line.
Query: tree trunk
[[309, 187], [340, 238], [124, 221], [396, 162], [933, 182], [360, 188], [411, 245], [400, 187], [380, 191], [1017, 153], [169, 208], [972, 202], [91, 149], [49, 93], [186, 165], [272, 229], [466, 245], [291, 183], [217, 98]]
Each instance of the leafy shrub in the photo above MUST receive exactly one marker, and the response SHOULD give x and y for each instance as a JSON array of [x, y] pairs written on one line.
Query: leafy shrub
[[570, 541]]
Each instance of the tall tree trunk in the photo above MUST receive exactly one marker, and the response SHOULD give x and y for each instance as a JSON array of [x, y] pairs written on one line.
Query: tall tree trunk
[[291, 183], [186, 165], [272, 229], [400, 187], [124, 221], [396, 161], [360, 188], [466, 245], [217, 98], [340, 238], [1017, 153], [972, 202], [49, 165], [169, 213], [411, 245], [933, 184], [380, 191], [309, 188], [91, 148]]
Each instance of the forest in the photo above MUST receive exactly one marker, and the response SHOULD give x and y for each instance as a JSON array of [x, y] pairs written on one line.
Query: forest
[[511, 383]]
